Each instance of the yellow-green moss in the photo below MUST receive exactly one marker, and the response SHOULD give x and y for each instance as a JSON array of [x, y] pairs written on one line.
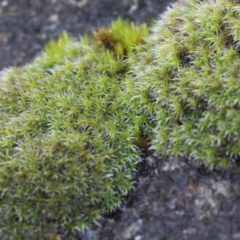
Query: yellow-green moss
[[67, 152], [73, 121], [187, 80]]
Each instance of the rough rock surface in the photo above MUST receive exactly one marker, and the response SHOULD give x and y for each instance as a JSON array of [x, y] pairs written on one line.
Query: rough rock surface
[[173, 198], [27, 25]]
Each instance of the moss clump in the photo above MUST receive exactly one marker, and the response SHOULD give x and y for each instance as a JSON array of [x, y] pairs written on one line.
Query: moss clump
[[66, 138], [187, 81], [73, 121]]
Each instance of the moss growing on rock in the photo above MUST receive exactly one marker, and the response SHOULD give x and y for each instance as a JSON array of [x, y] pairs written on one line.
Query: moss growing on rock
[[73, 121], [187, 81], [66, 139]]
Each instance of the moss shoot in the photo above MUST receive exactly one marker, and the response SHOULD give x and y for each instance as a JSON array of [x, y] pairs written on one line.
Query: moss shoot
[[73, 121]]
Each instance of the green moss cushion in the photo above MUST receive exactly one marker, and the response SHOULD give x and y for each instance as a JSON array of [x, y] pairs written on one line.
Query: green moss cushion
[[67, 140], [187, 81], [73, 121]]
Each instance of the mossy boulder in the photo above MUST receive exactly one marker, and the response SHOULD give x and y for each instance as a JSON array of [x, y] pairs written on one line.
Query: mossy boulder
[[187, 81], [73, 122], [67, 141]]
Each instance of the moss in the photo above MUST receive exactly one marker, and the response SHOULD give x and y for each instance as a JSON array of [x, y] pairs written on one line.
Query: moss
[[66, 140], [73, 122], [187, 82]]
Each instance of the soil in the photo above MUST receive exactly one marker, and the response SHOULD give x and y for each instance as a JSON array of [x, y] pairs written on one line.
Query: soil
[[173, 198]]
